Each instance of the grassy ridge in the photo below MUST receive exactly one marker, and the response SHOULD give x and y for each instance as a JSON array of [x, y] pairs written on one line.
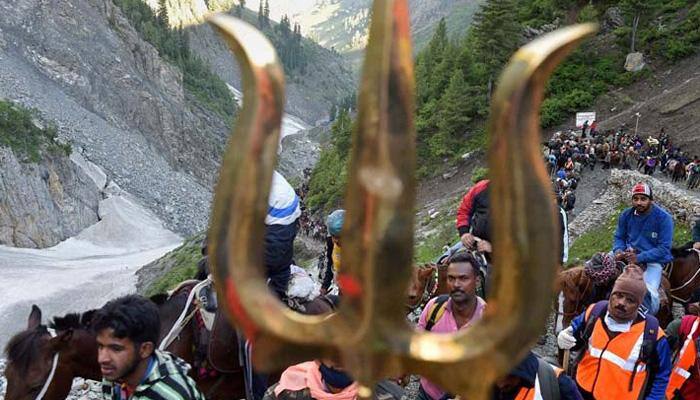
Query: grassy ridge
[[19, 130]]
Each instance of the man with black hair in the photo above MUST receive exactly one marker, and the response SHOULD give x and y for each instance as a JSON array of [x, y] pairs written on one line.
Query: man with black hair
[[644, 237], [448, 314], [127, 332]]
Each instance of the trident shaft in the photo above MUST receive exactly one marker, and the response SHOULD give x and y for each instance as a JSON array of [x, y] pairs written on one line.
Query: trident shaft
[[369, 333]]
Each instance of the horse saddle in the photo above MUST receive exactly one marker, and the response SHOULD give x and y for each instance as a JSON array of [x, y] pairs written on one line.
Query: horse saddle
[[223, 345]]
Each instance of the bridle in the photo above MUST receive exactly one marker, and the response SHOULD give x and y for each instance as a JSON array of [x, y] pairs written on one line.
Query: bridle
[[669, 272], [429, 290], [49, 379]]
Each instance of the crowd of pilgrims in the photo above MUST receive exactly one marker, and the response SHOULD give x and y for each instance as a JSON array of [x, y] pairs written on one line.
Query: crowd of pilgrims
[[622, 352]]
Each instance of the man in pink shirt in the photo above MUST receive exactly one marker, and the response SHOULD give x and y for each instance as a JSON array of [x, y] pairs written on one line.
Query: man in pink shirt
[[446, 315]]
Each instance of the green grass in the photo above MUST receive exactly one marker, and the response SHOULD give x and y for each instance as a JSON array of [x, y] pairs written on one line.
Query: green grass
[[443, 232], [20, 132], [181, 264], [600, 239]]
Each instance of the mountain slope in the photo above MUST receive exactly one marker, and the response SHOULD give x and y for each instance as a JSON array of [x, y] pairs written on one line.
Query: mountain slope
[[310, 91], [82, 65], [343, 24]]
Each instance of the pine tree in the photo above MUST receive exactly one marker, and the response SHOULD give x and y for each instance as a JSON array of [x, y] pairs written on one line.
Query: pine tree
[[261, 16], [497, 34], [266, 12], [637, 11], [162, 15], [454, 113]]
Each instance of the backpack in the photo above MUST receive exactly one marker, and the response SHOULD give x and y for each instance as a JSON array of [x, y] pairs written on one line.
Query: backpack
[[480, 219], [549, 382], [647, 352], [437, 309]]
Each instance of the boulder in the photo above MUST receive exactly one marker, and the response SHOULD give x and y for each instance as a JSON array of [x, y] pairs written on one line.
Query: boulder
[[634, 62]]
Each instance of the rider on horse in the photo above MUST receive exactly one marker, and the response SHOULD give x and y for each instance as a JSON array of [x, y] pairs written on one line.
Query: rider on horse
[[473, 218], [127, 331], [644, 236], [281, 225]]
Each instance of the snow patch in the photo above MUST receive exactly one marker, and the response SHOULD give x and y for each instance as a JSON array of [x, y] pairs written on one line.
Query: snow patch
[[84, 271]]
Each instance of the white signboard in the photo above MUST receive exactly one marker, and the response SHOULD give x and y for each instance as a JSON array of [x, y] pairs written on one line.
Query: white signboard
[[582, 117]]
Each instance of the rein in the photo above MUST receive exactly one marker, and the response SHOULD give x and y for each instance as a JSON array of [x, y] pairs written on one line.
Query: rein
[[49, 379], [183, 319]]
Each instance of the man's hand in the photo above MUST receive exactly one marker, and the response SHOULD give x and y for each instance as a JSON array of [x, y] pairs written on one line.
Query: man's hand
[[484, 246], [620, 255], [631, 257], [468, 240], [566, 339], [696, 245]]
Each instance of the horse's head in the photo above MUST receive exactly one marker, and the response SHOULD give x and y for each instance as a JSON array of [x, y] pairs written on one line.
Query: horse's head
[[31, 353], [574, 286], [421, 282]]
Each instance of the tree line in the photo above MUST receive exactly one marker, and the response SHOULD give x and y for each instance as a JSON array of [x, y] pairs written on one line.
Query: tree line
[[456, 76], [173, 45]]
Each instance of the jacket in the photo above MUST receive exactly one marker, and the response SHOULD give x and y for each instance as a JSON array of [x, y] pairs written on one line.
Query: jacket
[[685, 375], [605, 370], [475, 206], [167, 380], [283, 203], [650, 235]]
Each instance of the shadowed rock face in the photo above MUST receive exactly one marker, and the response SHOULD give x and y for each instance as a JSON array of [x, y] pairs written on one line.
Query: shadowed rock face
[[42, 204], [83, 66]]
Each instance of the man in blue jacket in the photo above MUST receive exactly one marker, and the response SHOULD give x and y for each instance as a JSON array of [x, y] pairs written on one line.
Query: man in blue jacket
[[644, 236]]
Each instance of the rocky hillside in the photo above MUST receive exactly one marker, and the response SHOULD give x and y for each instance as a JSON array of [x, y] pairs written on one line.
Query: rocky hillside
[[82, 65], [126, 106], [343, 24], [668, 98], [46, 202], [309, 93]]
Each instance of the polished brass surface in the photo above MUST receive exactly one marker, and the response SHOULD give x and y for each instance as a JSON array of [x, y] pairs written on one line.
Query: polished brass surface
[[369, 333]]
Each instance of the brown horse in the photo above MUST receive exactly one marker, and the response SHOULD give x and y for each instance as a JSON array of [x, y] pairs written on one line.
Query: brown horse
[[684, 274], [31, 356], [31, 353], [427, 281]]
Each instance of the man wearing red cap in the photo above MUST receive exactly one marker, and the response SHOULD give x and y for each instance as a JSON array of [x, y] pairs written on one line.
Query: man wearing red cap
[[643, 237], [623, 355]]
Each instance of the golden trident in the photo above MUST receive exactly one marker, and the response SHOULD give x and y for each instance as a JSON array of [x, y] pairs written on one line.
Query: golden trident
[[369, 333]]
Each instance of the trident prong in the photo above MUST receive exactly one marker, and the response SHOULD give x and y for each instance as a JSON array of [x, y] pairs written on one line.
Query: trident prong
[[369, 332]]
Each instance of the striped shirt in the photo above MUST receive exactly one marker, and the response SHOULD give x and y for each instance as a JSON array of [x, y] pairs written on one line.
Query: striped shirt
[[167, 380]]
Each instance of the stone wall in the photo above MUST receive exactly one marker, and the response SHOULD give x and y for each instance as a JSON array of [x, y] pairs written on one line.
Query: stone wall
[[683, 204]]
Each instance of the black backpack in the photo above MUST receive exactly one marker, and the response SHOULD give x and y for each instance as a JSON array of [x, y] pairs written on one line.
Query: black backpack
[[480, 220]]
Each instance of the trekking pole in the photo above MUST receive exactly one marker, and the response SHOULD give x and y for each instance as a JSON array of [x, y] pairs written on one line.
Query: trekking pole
[[565, 362]]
